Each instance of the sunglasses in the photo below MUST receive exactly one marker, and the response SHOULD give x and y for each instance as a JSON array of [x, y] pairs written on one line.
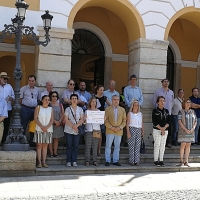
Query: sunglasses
[[54, 95], [112, 84], [72, 84], [4, 78], [32, 95]]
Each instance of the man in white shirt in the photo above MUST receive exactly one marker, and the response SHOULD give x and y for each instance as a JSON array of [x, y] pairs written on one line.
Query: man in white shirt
[[49, 88], [7, 93]]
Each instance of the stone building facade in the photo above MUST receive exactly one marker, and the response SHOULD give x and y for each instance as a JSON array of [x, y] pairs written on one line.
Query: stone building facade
[[99, 40]]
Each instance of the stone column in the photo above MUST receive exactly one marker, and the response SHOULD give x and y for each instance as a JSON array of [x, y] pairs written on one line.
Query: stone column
[[53, 63], [148, 59]]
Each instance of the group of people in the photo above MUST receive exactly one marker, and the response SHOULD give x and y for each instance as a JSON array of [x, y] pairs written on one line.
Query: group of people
[[177, 118]]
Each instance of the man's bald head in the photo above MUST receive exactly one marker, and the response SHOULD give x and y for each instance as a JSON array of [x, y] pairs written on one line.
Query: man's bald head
[[49, 86]]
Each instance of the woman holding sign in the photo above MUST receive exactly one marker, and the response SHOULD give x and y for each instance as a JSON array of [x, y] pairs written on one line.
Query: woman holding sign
[[101, 100], [93, 134]]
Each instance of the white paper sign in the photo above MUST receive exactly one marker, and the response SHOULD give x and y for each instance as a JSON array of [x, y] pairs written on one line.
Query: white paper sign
[[95, 117]]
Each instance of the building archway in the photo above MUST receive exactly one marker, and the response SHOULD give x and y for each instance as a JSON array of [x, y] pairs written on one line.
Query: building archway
[[97, 31], [183, 30], [88, 58], [123, 8], [116, 23]]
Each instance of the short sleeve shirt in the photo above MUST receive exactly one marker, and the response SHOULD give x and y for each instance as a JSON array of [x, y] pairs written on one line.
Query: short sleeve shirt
[[29, 96], [77, 115], [67, 94]]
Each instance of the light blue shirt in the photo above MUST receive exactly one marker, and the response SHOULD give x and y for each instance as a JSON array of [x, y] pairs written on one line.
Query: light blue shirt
[[131, 93], [3, 108], [86, 94], [109, 95]]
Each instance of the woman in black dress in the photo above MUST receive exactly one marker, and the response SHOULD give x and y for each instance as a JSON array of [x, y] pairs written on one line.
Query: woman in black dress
[[101, 100]]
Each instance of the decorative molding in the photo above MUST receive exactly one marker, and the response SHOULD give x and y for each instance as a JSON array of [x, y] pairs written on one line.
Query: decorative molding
[[189, 64], [120, 57], [11, 48]]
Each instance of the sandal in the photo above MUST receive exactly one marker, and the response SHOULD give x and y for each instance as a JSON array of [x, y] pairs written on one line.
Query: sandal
[[95, 164], [56, 156], [99, 154], [186, 164], [39, 166], [45, 165], [87, 164], [51, 156]]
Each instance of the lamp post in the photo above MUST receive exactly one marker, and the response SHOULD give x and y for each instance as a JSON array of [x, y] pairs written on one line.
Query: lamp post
[[16, 141]]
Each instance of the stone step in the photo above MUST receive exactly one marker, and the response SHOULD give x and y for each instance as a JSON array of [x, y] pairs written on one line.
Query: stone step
[[124, 150], [144, 158], [125, 168]]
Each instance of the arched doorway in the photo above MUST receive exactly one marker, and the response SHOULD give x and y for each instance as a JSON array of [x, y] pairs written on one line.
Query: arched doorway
[[88, 58], [170, 67]]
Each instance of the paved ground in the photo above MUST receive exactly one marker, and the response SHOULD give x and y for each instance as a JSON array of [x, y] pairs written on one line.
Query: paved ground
[[139, 186]]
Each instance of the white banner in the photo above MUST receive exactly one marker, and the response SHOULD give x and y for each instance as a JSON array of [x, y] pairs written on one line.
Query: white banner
[[95, 117]]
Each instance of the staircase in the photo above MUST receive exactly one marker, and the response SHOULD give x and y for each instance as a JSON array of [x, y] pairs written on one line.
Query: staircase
[[57, 166]]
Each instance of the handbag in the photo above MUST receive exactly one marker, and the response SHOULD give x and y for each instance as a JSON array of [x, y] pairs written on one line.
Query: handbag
[[96, 134], [142, 146], [32, 124], [81, 128]]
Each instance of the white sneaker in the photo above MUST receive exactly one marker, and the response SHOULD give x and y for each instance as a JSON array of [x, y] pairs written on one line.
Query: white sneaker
[[68, 164], [74, 164]]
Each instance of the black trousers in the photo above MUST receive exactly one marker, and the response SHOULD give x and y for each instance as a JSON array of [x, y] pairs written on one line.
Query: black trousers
[[6, 126]]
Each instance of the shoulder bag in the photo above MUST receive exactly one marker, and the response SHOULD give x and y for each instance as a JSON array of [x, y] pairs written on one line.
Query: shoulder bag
[[96, 133], [81, 128], [32, 124]]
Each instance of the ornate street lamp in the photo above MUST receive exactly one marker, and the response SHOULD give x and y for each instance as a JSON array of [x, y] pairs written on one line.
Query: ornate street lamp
[[16, 141]]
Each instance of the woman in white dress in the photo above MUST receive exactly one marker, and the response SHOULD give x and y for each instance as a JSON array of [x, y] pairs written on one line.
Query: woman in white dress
[[43, 117]]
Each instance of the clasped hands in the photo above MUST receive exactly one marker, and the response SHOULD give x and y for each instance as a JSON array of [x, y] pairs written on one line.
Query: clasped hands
[[189, 131], [115, 128]]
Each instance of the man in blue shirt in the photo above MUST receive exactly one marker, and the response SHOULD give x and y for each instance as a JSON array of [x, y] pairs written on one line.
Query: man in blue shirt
[[196, 107], [110, 92], [83, 93], [132, 92]]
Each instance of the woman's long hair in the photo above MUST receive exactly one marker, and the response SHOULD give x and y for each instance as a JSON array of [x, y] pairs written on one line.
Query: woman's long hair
[[90, 101]]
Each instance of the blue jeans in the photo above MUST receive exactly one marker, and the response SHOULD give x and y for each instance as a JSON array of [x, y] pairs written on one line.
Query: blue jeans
[[27, 114], [72, 142], [197, 130], [117, 141], [175, 127]]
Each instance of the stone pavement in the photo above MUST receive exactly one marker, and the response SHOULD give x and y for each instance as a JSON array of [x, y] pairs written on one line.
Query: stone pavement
[[139, 186]]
